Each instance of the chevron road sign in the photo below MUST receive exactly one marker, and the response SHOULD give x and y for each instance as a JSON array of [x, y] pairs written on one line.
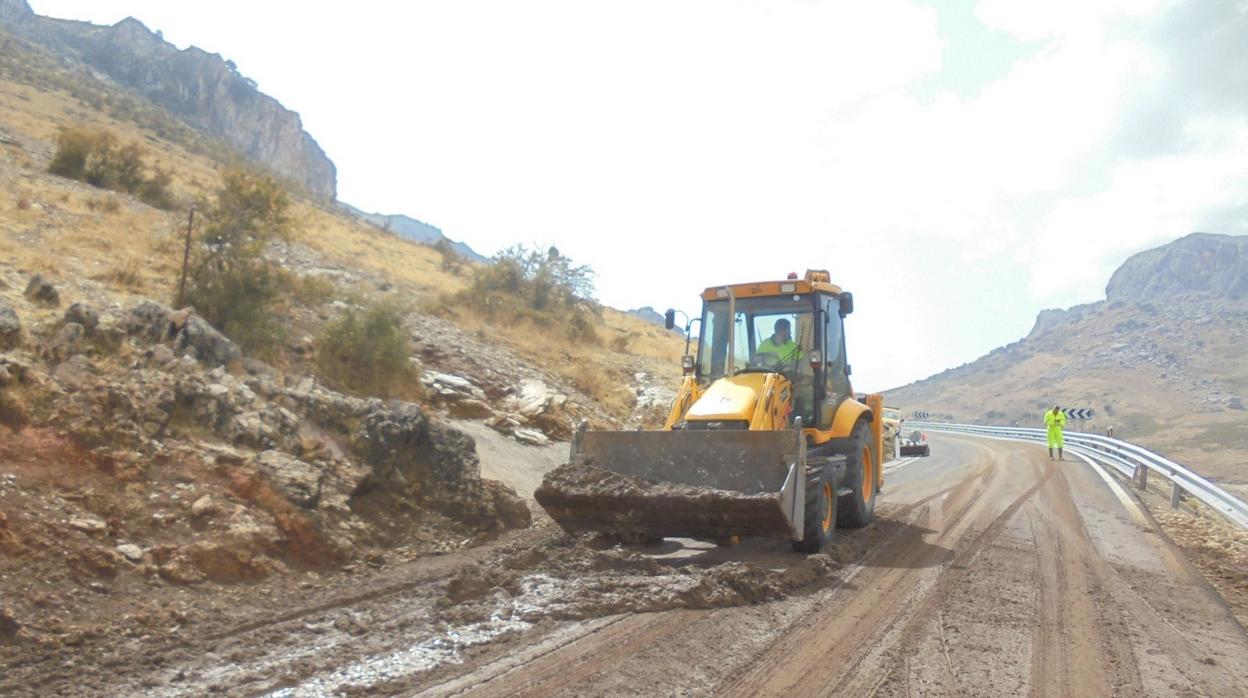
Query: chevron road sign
[[919, 415], [1078, 412]]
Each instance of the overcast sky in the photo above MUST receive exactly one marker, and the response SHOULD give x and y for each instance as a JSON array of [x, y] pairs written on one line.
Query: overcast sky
[[958, 165]]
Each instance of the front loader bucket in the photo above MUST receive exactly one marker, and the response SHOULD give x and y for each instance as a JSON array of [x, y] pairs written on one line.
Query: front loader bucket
[[696, 484]]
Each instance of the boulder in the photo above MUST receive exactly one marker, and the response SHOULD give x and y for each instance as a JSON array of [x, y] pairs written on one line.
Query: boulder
[[297, 481], [176, 566], [204, 506], [532, 437], [9, 625], [227, 564], [10, 327], [543, 409], [512, 511], [149, 321], [41, 290], [89, 524], [68, 341], [84, 315], [131, 552], [450, 385], [211, 347], [387, 438], [74, 373], [534, 398]]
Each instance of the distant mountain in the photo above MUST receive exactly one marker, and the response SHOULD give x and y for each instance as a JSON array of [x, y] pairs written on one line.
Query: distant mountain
[[1162, 360], [201, 89], [414, 230], [648, 314], [653, 317]]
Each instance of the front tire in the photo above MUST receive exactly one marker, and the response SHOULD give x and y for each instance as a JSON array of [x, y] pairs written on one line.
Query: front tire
[[857, 508], [819, 525]]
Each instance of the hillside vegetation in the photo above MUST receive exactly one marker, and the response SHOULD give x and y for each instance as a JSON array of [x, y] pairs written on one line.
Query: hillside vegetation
[[112, 245], [296, 417]]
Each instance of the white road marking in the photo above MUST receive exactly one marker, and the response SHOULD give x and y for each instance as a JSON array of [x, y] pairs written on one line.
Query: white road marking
[[1130, 504], [898, 464]]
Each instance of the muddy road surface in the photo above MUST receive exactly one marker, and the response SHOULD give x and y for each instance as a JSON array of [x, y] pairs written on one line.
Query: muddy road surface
[[989, 570]]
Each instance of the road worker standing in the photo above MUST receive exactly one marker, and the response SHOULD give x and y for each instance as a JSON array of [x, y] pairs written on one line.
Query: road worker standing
[[1054, 420]]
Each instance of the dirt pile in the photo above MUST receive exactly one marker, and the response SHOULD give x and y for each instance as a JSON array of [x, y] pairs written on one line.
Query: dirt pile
[[566, 579], [142, 452], [582, 497], [1218, 549]]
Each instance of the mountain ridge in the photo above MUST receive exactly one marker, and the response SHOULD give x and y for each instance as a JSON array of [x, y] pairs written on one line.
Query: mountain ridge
[[1161, 360], [416, 230], [201, 88]]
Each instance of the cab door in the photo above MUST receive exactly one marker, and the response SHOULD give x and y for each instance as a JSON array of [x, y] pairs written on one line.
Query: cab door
[[836, 376]]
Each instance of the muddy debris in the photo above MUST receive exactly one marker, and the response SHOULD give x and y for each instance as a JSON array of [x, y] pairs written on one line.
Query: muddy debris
[[568, 580], [586, 498]]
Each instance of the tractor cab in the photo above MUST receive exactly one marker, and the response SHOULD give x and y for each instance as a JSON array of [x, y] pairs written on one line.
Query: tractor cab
[[790, 329]]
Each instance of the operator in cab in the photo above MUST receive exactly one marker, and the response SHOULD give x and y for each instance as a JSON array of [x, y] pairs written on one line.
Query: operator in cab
[[781, 344]]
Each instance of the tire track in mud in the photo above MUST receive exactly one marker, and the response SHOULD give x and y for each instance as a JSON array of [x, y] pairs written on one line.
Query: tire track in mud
[[833, 642], [1123, 612], [593, 652], [1072, 652], [904, 640]]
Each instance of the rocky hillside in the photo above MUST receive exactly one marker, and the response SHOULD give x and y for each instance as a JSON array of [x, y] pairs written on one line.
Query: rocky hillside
[[201, 88], [141, 453], [1161, 359]]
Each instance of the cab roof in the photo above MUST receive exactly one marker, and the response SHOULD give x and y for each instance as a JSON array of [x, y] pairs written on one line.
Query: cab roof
[[817, 280]]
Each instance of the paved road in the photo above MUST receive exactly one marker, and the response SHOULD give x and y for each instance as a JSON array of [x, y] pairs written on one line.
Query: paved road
[[990, 571]]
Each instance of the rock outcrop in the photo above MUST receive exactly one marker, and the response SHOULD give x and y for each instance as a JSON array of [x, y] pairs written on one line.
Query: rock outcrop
[[1198, 263], [203, 89]]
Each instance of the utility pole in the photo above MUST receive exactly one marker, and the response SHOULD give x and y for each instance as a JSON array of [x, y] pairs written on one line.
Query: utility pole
[[186, 259]]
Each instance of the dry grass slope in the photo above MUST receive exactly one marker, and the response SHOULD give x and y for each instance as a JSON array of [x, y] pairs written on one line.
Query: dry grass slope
[[68, 230]]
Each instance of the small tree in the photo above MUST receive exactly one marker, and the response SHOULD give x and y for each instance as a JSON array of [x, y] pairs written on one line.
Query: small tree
[[451, 260], [368, 352], [99, 159], [231, 284]]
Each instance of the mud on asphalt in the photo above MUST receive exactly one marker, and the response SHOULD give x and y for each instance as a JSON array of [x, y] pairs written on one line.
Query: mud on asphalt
[[417, 620]]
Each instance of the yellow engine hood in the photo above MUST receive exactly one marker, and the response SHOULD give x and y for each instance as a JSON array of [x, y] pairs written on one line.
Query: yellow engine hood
[[728, 399]]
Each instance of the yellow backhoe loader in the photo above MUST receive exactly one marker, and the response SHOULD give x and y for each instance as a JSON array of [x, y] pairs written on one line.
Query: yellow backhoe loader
[[764, 438]]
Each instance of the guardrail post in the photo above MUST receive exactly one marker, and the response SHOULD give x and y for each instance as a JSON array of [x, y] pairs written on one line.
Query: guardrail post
[[1141, 472], [1175, 495]]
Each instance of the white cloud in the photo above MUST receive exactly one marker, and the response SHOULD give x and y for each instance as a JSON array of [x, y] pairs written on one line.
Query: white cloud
[[676, 145]]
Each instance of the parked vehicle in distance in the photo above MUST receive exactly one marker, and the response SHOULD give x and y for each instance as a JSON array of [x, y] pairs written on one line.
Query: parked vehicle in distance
[[914, 442]]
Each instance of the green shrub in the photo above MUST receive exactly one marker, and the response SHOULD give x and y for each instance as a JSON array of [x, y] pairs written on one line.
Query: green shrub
[[541, 287], [581, 328], [622, 341], [99, 159], [231, 283], [311, 291], [367, 352], [451, 260]]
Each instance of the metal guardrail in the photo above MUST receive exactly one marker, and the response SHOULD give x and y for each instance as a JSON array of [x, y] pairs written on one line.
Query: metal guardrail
[[1127, 458]]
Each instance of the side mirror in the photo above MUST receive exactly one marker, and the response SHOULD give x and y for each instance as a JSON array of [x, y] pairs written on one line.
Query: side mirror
[[669, 319], [849, 370], [846, 300]]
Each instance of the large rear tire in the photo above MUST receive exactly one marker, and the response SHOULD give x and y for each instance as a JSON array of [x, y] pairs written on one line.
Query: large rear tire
[[819, 526], [856, 509]]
